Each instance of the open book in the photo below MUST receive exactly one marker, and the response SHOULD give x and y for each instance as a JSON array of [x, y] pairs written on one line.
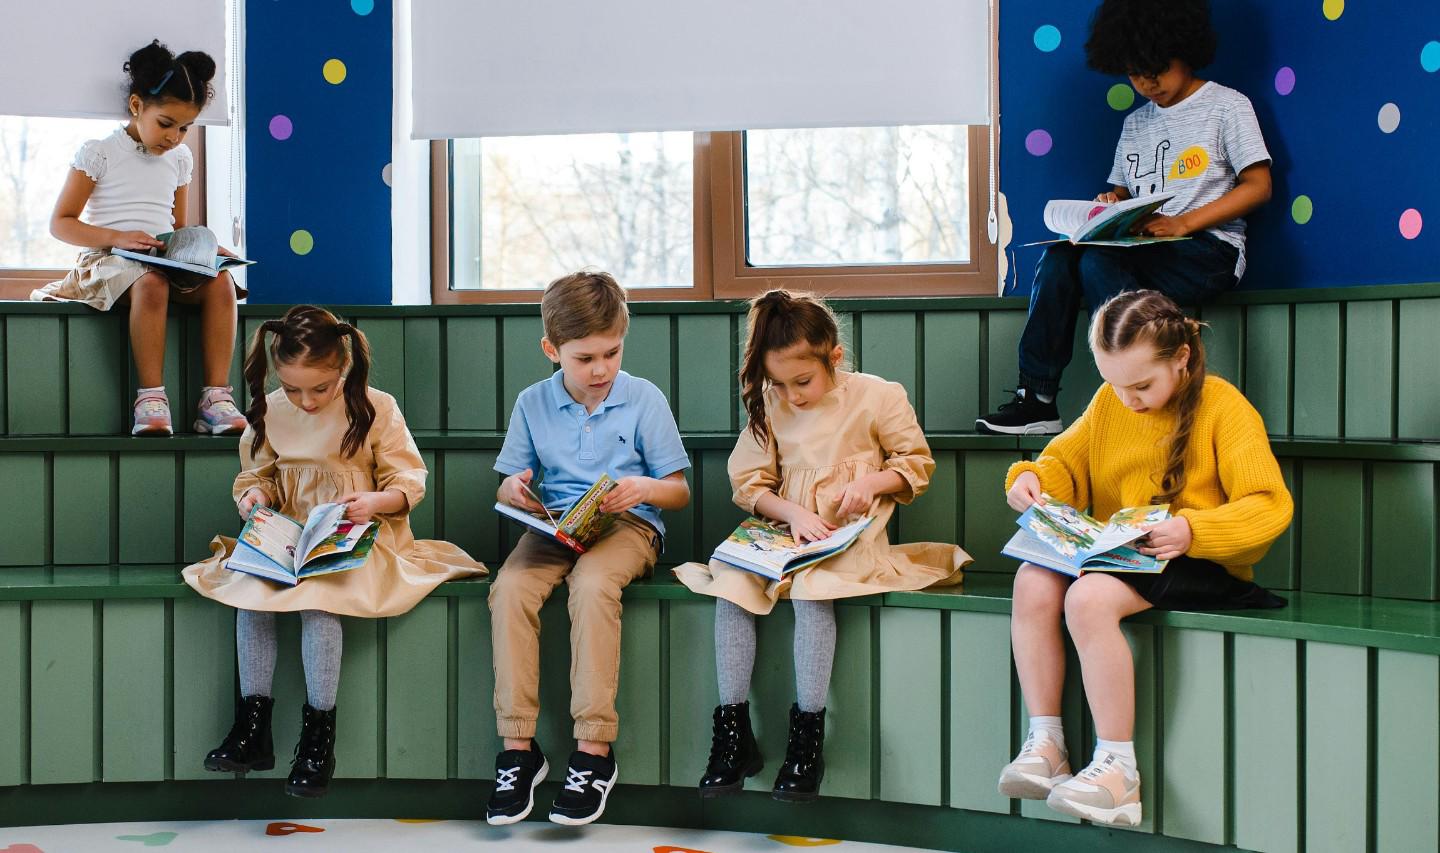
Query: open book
[[193, 250], [768, 549], [579, 526], [1064, 539], [1095, 223], [282, 549]]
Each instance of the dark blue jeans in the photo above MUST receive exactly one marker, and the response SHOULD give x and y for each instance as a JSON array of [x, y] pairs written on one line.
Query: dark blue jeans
[[1188, 271]]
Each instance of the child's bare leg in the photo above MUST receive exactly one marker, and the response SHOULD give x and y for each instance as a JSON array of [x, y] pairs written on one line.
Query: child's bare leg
[[217, 325], [1094, 607], [149, 300], [1035, 638]]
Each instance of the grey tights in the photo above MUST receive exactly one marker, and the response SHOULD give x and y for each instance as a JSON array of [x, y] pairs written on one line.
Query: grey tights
[[321, 641], [814, 651]]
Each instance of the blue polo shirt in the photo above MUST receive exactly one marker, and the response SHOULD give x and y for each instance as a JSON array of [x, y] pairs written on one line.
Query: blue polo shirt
[[631, 433]]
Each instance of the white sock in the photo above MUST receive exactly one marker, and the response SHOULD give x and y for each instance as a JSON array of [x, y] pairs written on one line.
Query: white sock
[[140, 392], [1045, 398], [1049, 727], [1124, 752]]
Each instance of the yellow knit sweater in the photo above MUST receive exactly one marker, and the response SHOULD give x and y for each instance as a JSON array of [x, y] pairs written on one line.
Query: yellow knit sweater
[[1234, 497]]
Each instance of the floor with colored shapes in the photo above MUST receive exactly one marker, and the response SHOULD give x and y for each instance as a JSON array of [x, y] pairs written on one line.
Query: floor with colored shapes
[[363, 836]]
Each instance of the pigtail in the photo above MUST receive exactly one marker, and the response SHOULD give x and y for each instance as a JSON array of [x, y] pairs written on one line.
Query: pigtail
[[257, 372], [778, 320], [1187, 403], [358, 408]]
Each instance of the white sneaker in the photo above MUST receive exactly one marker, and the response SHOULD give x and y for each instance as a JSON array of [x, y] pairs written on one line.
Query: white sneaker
[[1041, 765], [1102, 793]]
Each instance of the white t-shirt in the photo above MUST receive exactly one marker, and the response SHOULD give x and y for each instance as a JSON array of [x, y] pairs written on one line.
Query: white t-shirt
[[1194, 149], [134, 189]]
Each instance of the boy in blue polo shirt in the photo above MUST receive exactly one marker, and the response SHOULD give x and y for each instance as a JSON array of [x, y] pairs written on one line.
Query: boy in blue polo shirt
[[589, 418]]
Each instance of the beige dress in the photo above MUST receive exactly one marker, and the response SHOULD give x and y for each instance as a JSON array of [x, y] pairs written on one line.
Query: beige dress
[[299, 466], [865, 424]]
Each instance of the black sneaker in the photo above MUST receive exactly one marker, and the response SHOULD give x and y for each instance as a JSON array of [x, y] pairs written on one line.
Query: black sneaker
[[1023, 415], [517, 772], [588, 781]]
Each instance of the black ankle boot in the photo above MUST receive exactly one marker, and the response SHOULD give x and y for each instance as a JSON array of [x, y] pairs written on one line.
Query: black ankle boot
[[314, 762], [804, 767], [733, 753], [248, 746]]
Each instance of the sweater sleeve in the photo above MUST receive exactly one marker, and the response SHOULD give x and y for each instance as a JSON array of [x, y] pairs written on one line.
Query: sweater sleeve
[[1258, 506], [1064, 466], [257, 469], [907, 453], [754, 468]]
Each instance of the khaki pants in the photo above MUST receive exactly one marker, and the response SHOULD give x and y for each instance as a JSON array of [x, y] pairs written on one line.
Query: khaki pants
[[595, 580]]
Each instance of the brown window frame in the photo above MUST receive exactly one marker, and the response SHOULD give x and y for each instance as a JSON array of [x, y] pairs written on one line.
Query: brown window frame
[[17, 282]]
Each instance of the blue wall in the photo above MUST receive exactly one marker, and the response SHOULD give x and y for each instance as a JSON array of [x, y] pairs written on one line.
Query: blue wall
[[326, 178], [1324, 135]]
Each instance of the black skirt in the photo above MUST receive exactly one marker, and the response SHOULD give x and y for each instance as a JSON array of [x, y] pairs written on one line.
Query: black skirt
[[1189, 583]]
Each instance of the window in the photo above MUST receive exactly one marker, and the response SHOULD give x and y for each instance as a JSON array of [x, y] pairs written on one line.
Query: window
[[35, 155]]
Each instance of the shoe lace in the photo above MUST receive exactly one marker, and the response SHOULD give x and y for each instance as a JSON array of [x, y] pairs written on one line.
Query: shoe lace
[[506, 777], [575, 779], [1097, 769], [1017, 400]]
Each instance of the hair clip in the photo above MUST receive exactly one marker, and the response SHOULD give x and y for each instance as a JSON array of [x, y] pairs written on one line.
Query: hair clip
[[163, 81]]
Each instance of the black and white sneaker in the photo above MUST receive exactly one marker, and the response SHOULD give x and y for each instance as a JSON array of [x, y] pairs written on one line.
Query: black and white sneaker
[[517, 772], [1023, 415], [588, 781]]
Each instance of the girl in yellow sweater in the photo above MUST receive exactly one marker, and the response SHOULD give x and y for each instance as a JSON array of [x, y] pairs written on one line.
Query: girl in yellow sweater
[[1158, 431]]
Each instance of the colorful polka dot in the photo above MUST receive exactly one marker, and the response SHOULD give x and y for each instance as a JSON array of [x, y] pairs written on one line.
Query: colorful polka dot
[[1120, 97], [1038, 142], [334, 71], [1285, 80], [1301, 209], [301, 242], [362, 7], [387, 175], [1389, 118], [1333, 9], [281, 127], [1410, 224], [1430, 56], [1047, 38]]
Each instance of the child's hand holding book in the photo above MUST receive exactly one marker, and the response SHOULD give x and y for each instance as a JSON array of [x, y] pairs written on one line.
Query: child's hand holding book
[[629, 492], [1167, 540], [360, 507], [1026, 492], [515, 491], [252, 498]]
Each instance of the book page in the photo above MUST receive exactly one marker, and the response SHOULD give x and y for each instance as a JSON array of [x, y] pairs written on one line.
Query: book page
[[1070, 217], [321, 523], [193, 245], [272, 534], [585, 521]]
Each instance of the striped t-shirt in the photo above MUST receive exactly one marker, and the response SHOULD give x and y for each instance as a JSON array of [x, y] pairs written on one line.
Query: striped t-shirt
[[1194, 149]]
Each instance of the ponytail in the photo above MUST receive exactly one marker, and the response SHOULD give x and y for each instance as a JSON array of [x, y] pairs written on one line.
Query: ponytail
[[358, 408], [776, 321]]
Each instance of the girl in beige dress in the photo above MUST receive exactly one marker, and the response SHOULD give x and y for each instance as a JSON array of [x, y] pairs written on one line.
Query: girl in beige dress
[[823, 446], [323, 436]]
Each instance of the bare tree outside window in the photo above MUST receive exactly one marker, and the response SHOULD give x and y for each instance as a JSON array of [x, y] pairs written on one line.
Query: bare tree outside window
[[35, 155]]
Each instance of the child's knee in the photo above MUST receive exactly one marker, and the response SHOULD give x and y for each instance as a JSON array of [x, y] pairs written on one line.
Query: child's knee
[[149, 290], [1091, 603], [1037, 592], [593, 586], [511, 595]]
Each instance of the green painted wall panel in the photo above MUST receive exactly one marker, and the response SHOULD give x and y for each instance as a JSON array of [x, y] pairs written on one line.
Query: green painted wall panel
[[1003, 330], [718, 514], [181, 393], [1402, 536], [1418, 414], [980, 719], [209, 509], [680, 545], [1265, 753], [693, 691], [1332, 521], [935, 516], [647, 351], [639, 698], [849, 709], [556, 729], [387, 355], [911, 763], [147, 527], [1337, 714], [15, 698], [1278, 569], [63, 726], [523, 364], [469, 517], [416, 722], [1078, 742], [772, 690], [23, 505], [1407, 730], [707, 382], [1082, 377], [194, 363], [887, 348], [133, 722], [4, 382], [1317, 373], [1267, 364], [1147, 705], [1193, 696], [1369, 369], [476, 743], [423, 372], [83, 480], [988, 520], [422, 516], [1224, 348], [952, 372], [204, 665], [34, 362], [96, 376], [472, 375], [358, 722]]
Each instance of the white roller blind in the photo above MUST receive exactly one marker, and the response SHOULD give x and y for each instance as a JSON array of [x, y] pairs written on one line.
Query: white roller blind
[[521, 67], [65, 58]]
